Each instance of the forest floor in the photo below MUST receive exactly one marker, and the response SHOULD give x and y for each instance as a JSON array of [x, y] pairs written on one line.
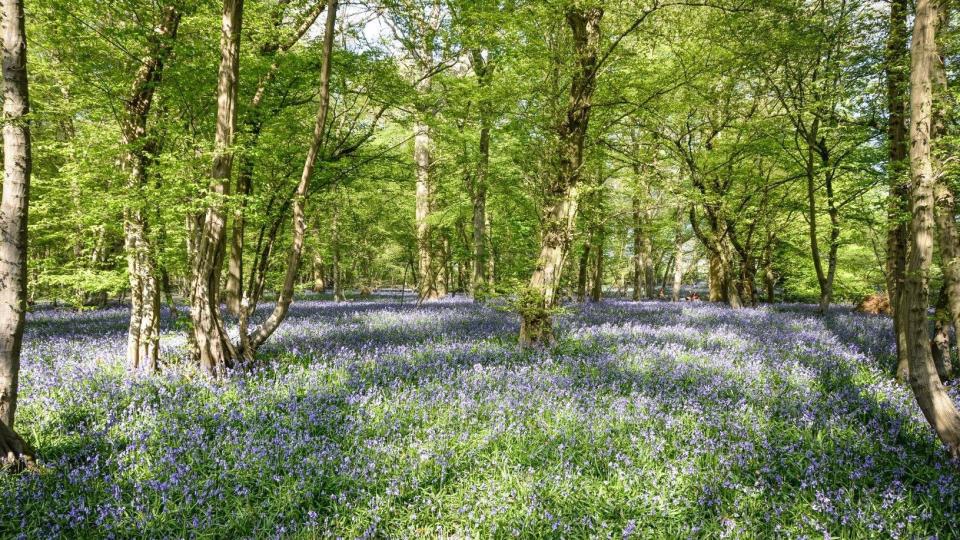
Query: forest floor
[[376, 420]]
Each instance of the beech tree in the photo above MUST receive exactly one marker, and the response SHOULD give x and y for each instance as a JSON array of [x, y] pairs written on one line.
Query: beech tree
[[937, 406], [17, 163]]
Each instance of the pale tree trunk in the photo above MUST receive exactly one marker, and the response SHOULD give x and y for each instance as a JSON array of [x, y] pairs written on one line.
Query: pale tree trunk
[[937, 405], [233, 289], [421, 158], [143, 334], [17, 163], [265, 330], [899, 200], [213, 345], [536, 326], [678, 242]]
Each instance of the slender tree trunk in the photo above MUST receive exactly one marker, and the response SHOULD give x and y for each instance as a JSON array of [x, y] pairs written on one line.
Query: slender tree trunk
[[216, 353], [597, 293], [335, 248], [478, 278], [491, 279], [233, 290], [143, 335], [937, 406], [17, 164], [638, 255], [265, 330], [582, 275], [769, 279], [678, 242]]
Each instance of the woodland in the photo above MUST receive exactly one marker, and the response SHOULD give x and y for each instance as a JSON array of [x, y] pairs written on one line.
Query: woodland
[[479, 269]]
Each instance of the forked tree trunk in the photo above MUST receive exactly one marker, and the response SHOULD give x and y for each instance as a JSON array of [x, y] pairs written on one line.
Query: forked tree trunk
[[269, 326], [536, 325], [233, 290], [17, 164], [216, 352], [937, 406], [143, 334]]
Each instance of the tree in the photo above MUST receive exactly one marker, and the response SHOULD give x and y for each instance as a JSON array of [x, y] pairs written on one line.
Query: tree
[[17, 162], [214, 349], [299, 227], [560, 202], [937, 406], [143, 336]]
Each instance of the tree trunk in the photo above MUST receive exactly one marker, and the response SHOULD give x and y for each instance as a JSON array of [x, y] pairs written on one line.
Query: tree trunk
[[715, 279], [491, 279], [335, 248], [582, 275], [422, 160], [678, 242], [215, 350], [597, 293], [478, 278], [769, 279], [143, 334], [536, 326], [937, 406], [17, 164], [265, 330], [233, 290], [898, 206], [940, 343]]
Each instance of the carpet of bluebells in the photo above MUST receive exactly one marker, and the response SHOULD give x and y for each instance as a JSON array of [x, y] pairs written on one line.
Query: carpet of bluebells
[[376, 420]]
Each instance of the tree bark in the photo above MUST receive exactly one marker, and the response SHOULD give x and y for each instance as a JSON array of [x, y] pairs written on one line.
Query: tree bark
[[215, 350], [596, 294], [678, 242], [583, 269], [14, 205], [265, 330], [233, 290], [937, 406], [143, 334], [536, 326], [898, 205], [483, 70]]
